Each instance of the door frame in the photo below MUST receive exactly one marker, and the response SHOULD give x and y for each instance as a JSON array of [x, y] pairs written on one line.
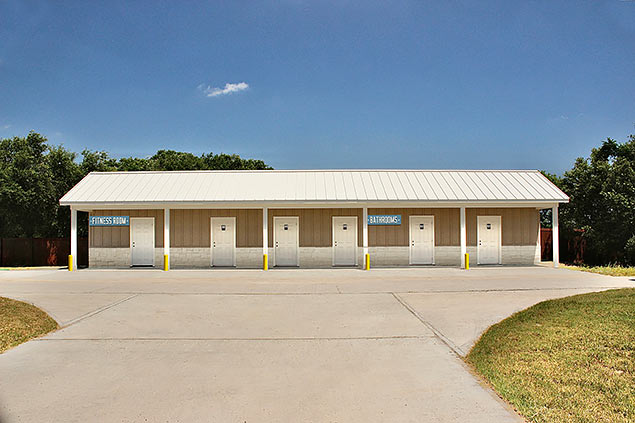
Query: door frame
[[297, 238], [500, 237], [153, 238], [333, 241], [211, 240], [410, 239]]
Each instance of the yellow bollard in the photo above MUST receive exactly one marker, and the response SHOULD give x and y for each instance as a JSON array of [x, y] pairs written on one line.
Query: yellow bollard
[[70, 263], [367, 262], [166, 262], [265, 262], [467, 261]]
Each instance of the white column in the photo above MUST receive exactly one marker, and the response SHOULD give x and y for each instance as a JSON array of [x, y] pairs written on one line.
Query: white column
[[463, 238], [166, 236], [554, 235], [265, 231], [365, 231], [74, 237]]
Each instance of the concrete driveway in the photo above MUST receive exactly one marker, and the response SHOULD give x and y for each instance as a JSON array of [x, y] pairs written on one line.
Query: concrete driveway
[[250, 346]]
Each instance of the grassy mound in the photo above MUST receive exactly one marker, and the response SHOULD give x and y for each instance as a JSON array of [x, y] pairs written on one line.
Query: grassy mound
[[565, 360], [20, 322], [614, 270]]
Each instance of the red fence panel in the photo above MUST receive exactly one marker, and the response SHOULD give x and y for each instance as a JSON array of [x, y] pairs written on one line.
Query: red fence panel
[[41, 251], [546, 244], [17, 252], [51, 251]]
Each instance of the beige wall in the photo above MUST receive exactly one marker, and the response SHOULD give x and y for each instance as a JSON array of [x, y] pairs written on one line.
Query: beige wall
[[316, 224], [119, 236], [191, 228], [446, 227], [520, 225]]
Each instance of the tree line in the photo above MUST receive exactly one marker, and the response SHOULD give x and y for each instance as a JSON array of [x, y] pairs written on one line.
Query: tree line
[[34, 175], [601, 209]]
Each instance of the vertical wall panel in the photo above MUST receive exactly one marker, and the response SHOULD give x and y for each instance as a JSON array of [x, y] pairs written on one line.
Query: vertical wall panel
[[191, 228], [119, 236], [446, 227], [519, 225], [316, 224]]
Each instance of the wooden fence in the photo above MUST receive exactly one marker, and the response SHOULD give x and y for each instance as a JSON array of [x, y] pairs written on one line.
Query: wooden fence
[[546, 245], [41, 252]]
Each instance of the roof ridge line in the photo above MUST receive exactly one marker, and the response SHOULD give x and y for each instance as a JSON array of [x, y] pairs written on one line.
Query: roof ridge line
[[137, 172]]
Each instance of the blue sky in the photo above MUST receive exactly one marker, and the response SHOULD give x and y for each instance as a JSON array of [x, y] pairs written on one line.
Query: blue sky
[[318, 84]]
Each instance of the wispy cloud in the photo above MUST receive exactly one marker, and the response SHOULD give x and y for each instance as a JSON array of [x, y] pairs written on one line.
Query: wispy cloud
[[6, 126], [229, 88]]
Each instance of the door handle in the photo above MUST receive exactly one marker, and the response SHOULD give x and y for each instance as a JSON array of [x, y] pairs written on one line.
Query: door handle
[[479, 242], [133, 245]]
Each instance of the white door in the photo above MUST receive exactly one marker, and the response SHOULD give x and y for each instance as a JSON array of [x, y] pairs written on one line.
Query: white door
[[344, 241], [223, 241], [142, 241], [489, 239], [286, 241], [421, 239]]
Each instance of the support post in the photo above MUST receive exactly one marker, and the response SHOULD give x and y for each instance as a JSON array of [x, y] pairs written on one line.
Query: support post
[[554, 236], [463, 240], [72, 259], [265, 238], [166, 239], [365, 238]]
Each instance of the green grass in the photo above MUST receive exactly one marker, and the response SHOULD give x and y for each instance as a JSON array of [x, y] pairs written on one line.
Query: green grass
[[605, 270], [565, 360], [20, 322]]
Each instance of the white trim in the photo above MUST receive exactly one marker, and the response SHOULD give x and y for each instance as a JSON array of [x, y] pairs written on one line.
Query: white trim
[[265, 231], [333, 240], [463, 236], [166, 234], [365, 231], [82, 206], [297, 241], [555, 235], [211, 239], [154, 241], [74, 236], [410, 238], [500, 237]]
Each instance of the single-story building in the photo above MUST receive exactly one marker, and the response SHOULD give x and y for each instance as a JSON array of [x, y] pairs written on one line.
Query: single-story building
[[313, 218]]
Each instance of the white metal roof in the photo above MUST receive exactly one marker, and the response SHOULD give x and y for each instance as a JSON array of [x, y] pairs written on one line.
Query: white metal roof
[[313, 186]]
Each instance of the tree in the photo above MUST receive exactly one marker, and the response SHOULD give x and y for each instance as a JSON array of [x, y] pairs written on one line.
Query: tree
[[545, 214], [602, 201], [27, 194], [35, 175], [65, 173]]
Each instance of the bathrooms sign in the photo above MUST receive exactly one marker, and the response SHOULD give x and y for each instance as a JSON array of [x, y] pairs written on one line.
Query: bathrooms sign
[[384, 219], [109, 221]]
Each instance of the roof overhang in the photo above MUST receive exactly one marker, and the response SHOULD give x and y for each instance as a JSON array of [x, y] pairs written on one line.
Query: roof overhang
[[542, 204]]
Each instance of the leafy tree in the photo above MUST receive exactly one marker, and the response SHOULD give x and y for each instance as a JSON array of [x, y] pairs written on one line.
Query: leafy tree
[[602, 201], [64, 173], [27, 195], [35, 175], [97, 161], [545, 214]]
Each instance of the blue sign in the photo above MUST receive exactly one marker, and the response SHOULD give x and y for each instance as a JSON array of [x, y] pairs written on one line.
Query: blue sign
[[384, 219], [109, 221]]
